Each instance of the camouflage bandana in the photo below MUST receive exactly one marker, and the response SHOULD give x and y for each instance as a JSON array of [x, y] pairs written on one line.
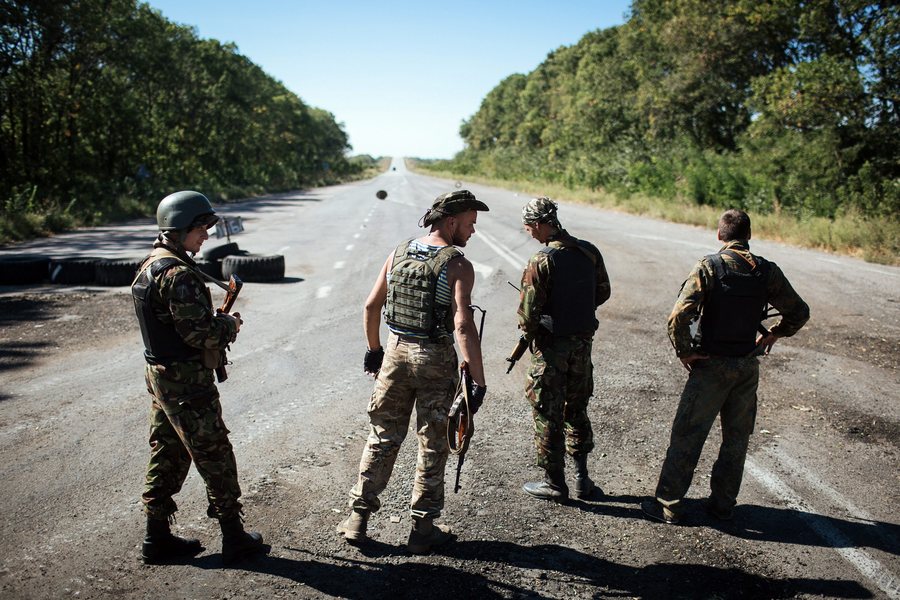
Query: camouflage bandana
[[540, 210], [449, 204]]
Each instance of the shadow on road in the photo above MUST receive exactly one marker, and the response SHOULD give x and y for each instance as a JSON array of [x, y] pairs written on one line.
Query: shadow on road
[[789, 526], [544, 570]]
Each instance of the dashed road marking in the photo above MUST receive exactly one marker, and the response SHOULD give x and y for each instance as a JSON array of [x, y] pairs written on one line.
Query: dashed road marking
[[339, 264], [323, 291], [349, 247]]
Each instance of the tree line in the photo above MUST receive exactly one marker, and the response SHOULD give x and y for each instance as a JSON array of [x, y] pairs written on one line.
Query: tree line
[[106, 106], [785, 106]]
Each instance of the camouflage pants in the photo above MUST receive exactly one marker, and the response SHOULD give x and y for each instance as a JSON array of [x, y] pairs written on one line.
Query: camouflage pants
[[186, 425], [718, 385], [559, 384], [424, 375]]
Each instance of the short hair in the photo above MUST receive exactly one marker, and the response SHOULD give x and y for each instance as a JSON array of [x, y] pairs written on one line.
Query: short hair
[[734, 224]]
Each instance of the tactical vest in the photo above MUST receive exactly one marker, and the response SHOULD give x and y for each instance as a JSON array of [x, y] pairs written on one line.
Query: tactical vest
[[571, 304], [732, 311], [411, 305], [162, 344]]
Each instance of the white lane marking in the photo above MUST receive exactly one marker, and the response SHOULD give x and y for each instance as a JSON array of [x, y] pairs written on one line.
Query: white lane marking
[[484, 270], [355, 236], [339, 264], [349, 247], [366, 220], [517, 263], [865, 564], [868, 268], [323, 291], [282, 250]]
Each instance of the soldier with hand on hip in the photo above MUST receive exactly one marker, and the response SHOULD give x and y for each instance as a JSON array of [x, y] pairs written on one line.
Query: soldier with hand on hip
[[728, 292]]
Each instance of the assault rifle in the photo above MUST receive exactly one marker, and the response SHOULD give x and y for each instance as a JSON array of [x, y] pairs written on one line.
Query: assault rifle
[[523, 343], [460, 424], [231, 293]]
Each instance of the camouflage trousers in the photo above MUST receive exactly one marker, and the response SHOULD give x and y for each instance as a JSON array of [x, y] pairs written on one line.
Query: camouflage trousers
[[716, 386], [414, 373], [559, 384], [186, 425]]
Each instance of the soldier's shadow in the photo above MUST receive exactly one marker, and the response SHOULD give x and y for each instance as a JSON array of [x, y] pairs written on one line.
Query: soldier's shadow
[[541, 570]]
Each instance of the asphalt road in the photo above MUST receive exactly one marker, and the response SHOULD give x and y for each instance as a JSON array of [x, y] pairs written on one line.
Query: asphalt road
[[817, 514]]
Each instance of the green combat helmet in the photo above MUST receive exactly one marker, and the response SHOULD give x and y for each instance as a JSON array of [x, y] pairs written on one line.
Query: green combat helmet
[[182, 210]]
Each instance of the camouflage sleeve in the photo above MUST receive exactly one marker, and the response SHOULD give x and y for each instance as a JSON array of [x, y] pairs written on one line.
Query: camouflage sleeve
[[603, 289], [794, 311], [192, 312], [687, 308], [534, 291]]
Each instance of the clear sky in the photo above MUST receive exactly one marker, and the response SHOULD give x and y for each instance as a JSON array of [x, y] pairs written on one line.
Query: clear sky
[[401, 76]]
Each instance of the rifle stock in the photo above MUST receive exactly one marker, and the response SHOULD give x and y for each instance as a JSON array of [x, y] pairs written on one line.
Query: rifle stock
[[234, 288], [516, 354]]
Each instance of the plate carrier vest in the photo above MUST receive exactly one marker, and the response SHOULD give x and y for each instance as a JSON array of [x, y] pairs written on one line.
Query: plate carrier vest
[[162, 344], [572, 304], [732, 312], [412, 280]]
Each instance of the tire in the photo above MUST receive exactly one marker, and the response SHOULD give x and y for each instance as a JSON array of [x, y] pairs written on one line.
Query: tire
[[254, 268], [23, 269], [220, 252], [78, 270], [213, 268], [118, 271]]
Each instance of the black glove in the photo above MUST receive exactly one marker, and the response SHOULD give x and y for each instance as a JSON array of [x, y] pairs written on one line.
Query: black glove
[[372, 361], [476, 396]]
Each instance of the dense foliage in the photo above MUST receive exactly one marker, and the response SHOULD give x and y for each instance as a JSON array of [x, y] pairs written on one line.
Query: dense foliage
[[105, 106], [771, 105]]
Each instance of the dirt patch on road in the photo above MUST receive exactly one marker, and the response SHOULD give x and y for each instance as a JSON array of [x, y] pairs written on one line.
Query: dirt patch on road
[[39, 324]]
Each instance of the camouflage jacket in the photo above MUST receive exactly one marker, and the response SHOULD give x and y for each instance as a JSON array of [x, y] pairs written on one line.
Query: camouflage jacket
[[537, 280], [185, 303], [696, 289]]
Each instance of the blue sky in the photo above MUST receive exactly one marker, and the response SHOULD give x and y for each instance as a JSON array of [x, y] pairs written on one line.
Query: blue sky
[[399, 75]]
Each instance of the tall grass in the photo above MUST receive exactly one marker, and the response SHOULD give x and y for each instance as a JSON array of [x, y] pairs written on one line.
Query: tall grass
[[872, 239]]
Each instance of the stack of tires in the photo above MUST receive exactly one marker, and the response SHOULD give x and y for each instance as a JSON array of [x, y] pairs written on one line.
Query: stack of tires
[[219, 262]]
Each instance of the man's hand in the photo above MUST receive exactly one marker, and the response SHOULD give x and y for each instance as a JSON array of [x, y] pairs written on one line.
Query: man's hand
[[765, 342], [372, 361], [689, 360], [236, 317], [476, 396]]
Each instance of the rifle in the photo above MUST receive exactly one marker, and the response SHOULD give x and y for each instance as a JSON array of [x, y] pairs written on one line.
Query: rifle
[[231, 293], [460, 424], [523, 343], [768, 312]]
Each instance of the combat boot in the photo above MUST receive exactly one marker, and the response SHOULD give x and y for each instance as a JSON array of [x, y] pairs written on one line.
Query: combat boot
[[584, 487], [425, 535], [237, 543], [353, 528], [161, 546], [553, 487]]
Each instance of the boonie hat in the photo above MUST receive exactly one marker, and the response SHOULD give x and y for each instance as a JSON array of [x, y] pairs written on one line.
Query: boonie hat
[[451, 203]]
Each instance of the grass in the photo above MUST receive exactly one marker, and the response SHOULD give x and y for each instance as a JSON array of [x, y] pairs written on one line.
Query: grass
[[871, 239]]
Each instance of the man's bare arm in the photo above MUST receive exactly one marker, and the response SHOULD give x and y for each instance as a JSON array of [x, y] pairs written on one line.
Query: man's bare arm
[[461, 277], [374, 304]]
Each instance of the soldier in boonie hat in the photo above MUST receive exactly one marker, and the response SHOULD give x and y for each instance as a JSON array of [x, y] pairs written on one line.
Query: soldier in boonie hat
[[449, 204]]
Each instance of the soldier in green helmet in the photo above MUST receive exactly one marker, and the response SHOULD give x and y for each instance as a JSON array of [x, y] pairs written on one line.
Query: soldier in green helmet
[[183, 338], [424, 288], [562, 286]]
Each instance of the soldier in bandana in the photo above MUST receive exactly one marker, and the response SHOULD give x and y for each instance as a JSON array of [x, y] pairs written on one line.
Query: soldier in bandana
[[183, 338], [562, 286], [728, 292], [425, 290]]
